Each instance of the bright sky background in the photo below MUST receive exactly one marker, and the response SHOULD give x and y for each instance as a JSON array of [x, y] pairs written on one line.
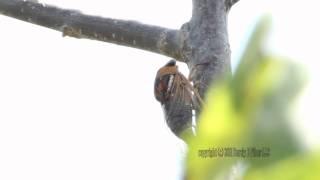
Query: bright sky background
[[82, 109]]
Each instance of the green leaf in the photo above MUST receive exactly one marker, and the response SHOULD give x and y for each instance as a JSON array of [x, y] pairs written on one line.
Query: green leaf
[[302, 167], [246, 118]]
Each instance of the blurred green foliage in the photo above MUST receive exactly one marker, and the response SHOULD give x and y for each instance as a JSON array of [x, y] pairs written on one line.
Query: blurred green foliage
[[246, 121]]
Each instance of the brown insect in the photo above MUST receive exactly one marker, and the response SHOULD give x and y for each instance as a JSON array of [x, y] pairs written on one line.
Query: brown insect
[[177, 97]]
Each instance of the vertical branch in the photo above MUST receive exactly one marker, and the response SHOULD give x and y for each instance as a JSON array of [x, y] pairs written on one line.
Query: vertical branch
[[206, 44]]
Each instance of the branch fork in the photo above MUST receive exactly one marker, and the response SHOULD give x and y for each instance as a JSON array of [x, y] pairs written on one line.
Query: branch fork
[[202, 43]]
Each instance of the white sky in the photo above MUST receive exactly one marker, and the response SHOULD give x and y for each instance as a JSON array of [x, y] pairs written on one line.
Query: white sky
[[81, 109]]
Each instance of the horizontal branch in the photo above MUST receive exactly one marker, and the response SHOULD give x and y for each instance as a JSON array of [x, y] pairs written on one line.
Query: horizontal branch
[[75, 24]]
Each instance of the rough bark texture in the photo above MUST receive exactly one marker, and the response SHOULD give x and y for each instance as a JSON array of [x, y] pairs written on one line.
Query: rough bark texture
[[202, 42], [206, 45]]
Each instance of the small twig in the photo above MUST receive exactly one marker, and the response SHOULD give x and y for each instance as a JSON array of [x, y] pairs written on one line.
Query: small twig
[[230, 3]]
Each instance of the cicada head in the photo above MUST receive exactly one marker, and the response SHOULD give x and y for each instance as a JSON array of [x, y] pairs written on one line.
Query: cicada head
[[164, 81]]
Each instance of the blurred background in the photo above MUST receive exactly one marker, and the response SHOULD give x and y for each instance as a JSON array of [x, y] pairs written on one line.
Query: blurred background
[[82, 109]]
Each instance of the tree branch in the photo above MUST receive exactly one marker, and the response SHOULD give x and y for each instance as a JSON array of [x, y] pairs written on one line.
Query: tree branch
[[206, 46], [202, 42], [75, 24]]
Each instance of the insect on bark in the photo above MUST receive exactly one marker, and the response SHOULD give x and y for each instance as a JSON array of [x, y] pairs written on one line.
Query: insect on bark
[[177, 97]]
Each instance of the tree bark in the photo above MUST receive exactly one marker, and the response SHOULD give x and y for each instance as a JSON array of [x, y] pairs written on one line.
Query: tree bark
[[206, 45], [202, 42]]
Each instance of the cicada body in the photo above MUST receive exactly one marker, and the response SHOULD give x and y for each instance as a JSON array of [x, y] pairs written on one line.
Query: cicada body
[[175, 93]]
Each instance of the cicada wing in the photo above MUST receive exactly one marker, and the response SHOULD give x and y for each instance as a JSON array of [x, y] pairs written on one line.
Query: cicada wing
[[178, 108]]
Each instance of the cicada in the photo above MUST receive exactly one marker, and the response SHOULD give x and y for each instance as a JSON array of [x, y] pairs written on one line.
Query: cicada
[[178, 99]]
